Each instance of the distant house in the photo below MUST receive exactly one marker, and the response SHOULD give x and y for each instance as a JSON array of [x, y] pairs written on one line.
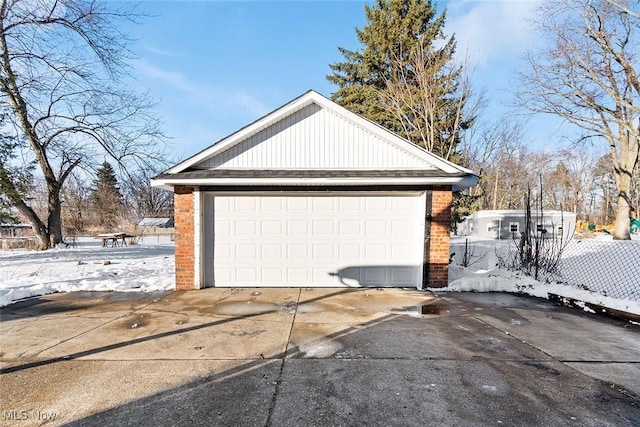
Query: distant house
[[156, 222], [15, 230], [509, 224]]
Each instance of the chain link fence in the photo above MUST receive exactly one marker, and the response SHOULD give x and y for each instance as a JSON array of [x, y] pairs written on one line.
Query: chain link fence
[[611, 268]]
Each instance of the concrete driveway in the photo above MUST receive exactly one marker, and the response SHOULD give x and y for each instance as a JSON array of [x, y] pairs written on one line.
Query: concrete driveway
[[314, 357]]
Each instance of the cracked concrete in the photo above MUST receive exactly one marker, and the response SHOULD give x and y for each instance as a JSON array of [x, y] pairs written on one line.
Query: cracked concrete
[[295, 357]]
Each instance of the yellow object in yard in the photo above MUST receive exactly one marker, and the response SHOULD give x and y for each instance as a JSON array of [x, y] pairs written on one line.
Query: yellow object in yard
[[582, 226], [608, 228]]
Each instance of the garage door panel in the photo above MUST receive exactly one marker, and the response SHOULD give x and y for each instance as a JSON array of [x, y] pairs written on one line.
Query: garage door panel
[[272, 251], [349, 251], [314, 240], [350, 204], [246, 204], [244, 228], [320, 275], [272, 275], [223, 251], [297, 251], [375, 275], [404, 275], [271, 204], [224, 275], [400, 251], [401, 204], [376, 228], [400, 227], [244, 251], [350, 227], [297, 204], [376, 204], [297, 275], [376, 252], [271, 228], [246, 275], [297, 228], [323, 252], [323, 228], [323, 204], [223, 228]]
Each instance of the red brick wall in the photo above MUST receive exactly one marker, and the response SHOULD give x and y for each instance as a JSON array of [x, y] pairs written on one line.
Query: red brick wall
[[440, 236], [183, 219]]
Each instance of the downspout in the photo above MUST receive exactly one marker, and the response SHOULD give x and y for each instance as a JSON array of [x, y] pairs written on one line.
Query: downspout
[[427, 238]]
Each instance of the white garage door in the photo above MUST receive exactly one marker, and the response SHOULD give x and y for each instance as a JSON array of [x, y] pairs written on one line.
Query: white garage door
[[338, 240]]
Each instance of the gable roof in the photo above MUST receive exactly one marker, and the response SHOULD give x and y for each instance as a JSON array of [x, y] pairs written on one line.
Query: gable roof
[[313, 134]]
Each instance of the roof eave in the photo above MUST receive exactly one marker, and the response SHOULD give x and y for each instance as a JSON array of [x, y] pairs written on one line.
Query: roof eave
[[457, 183]]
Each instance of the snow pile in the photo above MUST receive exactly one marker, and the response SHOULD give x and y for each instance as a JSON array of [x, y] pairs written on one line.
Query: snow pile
[[463, 279], [145, 267]]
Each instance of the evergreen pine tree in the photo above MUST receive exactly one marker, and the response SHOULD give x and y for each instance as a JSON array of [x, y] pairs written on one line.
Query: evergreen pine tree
[[404, 77], [106, 197]]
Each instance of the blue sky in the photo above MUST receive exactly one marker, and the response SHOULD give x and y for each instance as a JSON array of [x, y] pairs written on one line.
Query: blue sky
[[215, 66]]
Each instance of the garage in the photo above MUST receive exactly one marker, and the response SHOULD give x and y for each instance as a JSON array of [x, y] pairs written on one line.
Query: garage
[[313, 195], [314, 240]]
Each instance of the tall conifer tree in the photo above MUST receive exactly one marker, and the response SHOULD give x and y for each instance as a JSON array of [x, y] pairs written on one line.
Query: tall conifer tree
[[106, 197], [405, 77]]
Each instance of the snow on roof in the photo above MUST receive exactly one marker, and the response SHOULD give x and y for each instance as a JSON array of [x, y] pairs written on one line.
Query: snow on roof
[[156, 222]]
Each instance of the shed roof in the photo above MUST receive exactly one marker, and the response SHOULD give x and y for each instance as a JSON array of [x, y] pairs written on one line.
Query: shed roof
[[156, 222]]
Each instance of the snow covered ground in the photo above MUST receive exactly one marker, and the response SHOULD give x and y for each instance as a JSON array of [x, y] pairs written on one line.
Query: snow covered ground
[[149, 266]]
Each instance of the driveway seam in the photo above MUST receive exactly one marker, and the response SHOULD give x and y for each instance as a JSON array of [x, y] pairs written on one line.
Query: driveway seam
[[515, 337], [276, 391]]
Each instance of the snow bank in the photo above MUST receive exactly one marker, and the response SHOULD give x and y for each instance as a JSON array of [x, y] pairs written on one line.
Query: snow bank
[[144, 267], [463, 279]]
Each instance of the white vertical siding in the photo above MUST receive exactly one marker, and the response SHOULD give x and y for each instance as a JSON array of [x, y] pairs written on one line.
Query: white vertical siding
[[314, 138]]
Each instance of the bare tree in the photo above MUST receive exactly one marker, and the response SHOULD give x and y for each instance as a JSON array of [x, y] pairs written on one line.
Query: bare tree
[[76, 205], [486, 147], [587, 75], [429, 94], [143, 200], [571, 182], [63, 96]]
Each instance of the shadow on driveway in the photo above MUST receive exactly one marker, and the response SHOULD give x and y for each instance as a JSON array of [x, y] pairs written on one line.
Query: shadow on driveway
[[351, 357]]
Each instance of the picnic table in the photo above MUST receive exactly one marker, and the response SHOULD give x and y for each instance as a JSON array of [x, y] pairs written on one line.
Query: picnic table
[[113, 240]]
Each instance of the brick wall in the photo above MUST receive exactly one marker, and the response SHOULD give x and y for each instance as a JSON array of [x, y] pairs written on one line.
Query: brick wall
[[183, 213], [439, 241]]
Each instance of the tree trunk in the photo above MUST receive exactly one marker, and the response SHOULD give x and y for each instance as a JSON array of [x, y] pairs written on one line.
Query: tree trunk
[[623, 170], [37, 225], [54, 221], [622, 228]]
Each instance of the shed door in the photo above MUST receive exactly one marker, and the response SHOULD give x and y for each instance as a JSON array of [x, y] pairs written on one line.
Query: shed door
[[337, 240]]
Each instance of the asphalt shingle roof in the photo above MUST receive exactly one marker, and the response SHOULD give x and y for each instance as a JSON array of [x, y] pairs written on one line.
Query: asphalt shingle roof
[[310, 174]]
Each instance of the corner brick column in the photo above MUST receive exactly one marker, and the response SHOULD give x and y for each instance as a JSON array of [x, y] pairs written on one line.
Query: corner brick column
[[184, 245], [440, 236]]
